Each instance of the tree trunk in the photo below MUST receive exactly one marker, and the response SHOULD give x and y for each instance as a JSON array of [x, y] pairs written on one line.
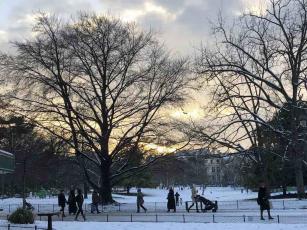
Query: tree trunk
[[85, 189], [297, 147], [266, 180], [284, 190], [128, 190], [24, 185], [299, 178], [105, 189]]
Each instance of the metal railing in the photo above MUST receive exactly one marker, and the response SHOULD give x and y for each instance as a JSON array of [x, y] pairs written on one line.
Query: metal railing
[[171, 217], [16, 227], [188, 218], [162, 206]]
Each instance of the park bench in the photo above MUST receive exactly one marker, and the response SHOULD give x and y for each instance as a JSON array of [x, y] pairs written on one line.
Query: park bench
[[49, 215]]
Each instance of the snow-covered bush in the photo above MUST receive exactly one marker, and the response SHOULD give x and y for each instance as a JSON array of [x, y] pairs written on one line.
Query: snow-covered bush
[[21, 216]]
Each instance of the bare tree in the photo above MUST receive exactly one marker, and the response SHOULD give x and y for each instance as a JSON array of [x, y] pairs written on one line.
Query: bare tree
[[258, 67], [99, 84]]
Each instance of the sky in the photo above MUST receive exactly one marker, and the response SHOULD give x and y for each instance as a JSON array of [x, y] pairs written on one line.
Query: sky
[[181, 24]]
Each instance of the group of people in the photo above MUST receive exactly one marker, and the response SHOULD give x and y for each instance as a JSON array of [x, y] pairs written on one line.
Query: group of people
[[172, 200], [75, 203]]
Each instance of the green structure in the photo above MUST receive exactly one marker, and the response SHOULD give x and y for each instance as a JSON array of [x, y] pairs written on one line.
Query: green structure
[[7, 162]]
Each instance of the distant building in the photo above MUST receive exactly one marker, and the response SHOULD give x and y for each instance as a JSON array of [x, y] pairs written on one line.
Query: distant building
[[209, 161], [214, 170], [7, 162]]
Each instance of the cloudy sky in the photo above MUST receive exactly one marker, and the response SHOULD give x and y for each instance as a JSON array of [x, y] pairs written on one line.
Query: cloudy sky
[[182, 24]]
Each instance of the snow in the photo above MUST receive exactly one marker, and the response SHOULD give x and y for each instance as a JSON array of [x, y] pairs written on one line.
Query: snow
[[211, 193], [165, 226], [172, 226], [234, 207], [155, 201], [155, 195], [230, 201]]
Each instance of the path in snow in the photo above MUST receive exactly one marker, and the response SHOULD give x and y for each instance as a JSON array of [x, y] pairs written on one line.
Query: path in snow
[[168, 226]]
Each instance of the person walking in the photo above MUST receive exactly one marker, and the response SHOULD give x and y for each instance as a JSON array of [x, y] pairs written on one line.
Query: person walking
[[263, 201], [193, 197], [171, 201], [72, 207], [177, 195], [62, 202], [80, 200], [140, 201], [95, 202]]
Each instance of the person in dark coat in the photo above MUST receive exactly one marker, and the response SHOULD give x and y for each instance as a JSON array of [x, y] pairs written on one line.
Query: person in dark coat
[[171, 201], [72, 207], [80, 200], [177, 198], [62, 202], [95, 202], [263, 201], [140, 201]]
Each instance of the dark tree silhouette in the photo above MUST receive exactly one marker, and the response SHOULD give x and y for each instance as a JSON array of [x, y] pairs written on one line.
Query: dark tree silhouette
[[258, 66], [99, 85]]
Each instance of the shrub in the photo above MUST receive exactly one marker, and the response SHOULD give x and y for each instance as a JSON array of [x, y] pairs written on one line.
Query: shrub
[[21, 216]]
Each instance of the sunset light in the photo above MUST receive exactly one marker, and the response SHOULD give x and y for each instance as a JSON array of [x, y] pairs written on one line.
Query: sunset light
[[160, 114]]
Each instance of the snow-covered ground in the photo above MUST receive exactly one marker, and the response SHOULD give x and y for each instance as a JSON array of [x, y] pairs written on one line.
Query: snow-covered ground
[[234, 207], [155, 200], [229, 200], [211, 193], [156, 195], [166, 226]]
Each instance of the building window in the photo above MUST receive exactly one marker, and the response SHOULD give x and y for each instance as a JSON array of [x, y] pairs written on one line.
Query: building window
[[211, 161], [213, 169], [217, 161]]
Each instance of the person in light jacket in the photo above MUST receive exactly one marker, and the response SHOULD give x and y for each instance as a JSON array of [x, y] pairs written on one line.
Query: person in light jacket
[[193, 197]]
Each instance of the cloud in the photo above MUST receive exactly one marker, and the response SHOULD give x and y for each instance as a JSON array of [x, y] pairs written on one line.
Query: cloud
[[171, 5], [183, 23], [3, 36], [146, 9]]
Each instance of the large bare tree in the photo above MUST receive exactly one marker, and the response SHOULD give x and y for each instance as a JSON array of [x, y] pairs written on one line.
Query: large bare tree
[[100, 85], [258, 68]]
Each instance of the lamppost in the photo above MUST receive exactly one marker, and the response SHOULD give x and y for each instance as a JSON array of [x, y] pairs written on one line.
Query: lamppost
[[24, 163]]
